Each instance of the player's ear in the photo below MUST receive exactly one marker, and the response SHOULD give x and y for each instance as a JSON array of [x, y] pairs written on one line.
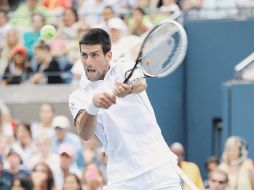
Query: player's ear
[[109, 55]]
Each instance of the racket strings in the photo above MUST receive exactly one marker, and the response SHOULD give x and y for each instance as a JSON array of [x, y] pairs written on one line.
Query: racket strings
[[160, 53]]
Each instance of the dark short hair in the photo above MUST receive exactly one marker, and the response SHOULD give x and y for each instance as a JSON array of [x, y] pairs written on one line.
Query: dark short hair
[[97, 36], [211, 159]]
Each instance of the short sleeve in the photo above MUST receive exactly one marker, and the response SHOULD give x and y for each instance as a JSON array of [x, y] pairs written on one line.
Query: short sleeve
[[78, 100]]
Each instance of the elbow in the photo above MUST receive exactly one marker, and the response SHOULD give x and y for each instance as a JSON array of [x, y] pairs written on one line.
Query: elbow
[[84, 136]]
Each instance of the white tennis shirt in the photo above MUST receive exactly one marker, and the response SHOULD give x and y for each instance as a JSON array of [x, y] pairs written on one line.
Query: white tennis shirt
[[128, 130]]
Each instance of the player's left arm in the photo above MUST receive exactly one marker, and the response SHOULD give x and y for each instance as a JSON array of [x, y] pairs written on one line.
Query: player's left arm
[[121, 89]]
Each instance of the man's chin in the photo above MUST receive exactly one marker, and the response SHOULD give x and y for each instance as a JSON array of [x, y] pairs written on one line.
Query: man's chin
[[91, 78]]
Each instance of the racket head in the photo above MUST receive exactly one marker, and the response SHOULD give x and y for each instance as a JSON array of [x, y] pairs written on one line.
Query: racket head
[[163, 49]]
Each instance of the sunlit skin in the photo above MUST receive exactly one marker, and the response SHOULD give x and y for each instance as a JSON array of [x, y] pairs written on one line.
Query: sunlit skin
[[95, 63]]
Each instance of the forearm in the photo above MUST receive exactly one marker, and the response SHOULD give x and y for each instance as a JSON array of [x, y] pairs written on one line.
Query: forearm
[[86, 124]]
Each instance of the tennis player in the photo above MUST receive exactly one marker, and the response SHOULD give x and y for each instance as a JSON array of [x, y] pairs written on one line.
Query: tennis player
[[122, 118]]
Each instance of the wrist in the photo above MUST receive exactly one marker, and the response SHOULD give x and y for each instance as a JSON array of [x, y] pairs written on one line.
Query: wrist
[[92, 109], [131, 91]]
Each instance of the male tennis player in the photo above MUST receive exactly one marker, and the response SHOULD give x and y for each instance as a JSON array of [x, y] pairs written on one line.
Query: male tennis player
[[122, 118]]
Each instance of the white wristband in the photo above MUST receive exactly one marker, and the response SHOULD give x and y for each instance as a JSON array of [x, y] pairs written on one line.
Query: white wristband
[[91, 109]]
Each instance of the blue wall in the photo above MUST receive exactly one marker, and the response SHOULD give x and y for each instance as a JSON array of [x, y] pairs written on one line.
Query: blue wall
[[187, 102], [238, 112]]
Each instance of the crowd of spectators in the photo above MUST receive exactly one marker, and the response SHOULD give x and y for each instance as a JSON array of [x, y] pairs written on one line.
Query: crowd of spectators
[[22, 50], [48, 155]]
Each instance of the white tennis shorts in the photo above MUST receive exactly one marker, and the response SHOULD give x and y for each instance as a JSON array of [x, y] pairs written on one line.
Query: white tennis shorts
[[162, 178]]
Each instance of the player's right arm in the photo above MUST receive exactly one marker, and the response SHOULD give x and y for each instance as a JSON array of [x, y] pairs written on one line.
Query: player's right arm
[[85, 112], [86, 124]]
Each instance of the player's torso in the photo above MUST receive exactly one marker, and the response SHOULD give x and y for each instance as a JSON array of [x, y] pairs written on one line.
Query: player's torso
[[132, 137]]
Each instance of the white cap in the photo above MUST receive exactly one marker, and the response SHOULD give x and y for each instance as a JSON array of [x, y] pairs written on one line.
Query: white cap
[[118, 24], [61, 121]]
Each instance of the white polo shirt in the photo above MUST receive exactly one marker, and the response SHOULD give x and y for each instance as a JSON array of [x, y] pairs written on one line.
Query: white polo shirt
[[128, 130]]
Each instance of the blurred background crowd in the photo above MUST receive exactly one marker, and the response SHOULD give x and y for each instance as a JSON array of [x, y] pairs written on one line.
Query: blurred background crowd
[[47, 154], [26, 58]]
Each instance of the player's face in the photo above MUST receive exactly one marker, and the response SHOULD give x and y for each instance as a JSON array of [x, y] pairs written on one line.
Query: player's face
[[95, 63]]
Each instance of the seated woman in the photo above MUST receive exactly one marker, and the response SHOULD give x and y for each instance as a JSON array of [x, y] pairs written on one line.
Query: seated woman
[[18, 69], [48, 70]]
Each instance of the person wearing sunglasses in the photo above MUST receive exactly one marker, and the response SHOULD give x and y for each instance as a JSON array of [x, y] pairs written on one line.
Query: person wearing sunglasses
[[218, 180]]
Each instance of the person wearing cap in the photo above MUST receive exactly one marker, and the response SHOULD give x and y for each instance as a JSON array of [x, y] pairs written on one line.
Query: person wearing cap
[[14, 164], [62, 135], [18, 70], [67, 153], [121, 41]]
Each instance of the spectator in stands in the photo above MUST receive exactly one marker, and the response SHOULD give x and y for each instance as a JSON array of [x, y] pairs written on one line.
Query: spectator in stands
[[218, 180], [14, 164], [30, 38], [18, 69], [72, 182], [62, 135], [188, 5], [189, 168], [23, 142], [44, 153], [21, 182], [211, 164], [107, 14], [91, 150], [46, 115], [67, 165], [170, 6], [118, 32], [5, 177], [237, 165], [42, 177], [147, 5], [139, 23], [4, 26], [92, 178], [22, 15], [91, 10], [68, 27], [56, 6], [48, 70], [11, 41]]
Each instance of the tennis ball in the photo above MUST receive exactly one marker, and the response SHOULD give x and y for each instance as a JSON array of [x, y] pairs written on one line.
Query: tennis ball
[[48, 32]]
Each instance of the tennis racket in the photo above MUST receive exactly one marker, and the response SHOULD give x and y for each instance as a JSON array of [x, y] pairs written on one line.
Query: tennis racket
[[161, 52]]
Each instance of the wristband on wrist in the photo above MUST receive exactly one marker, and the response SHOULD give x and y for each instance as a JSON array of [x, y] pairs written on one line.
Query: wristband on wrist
[[92, 110]]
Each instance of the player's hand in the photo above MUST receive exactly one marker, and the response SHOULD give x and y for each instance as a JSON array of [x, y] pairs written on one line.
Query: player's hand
[[104, 100], [121, 89]]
